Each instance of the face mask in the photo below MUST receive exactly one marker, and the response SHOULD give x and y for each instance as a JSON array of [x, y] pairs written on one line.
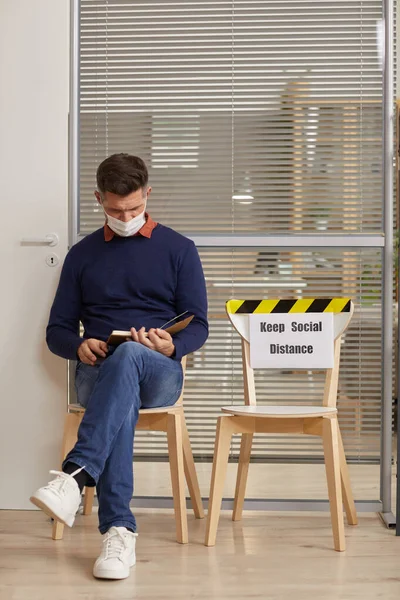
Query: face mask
[[128, 228]]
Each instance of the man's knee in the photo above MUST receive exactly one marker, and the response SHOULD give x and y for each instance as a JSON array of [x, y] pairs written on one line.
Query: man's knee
[[131, 350]]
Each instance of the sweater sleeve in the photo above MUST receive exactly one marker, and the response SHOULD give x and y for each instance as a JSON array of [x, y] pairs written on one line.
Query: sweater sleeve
[[62, 334], [191, 295]]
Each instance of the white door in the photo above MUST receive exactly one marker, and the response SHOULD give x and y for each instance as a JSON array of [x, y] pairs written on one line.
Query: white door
[[34, 98]]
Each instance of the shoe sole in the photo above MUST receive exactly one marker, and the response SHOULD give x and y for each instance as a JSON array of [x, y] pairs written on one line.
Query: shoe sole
[[106, 574], [50, 513]]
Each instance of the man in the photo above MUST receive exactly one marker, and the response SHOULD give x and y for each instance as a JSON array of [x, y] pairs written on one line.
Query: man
[[132, 274]]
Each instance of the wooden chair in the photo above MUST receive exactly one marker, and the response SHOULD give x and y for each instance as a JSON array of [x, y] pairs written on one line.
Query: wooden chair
[[302, 420], [170, 419]]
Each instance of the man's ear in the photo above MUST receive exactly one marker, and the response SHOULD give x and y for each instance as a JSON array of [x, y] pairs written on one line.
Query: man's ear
[[98, 197], [148, 191]]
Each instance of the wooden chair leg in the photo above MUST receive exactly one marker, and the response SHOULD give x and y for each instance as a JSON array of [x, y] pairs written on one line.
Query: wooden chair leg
[[220, 464], [88, 500], [348, 499], [241, 480], [330, 437], [190, 473], [175, 450], [57, 530], [71, 426]]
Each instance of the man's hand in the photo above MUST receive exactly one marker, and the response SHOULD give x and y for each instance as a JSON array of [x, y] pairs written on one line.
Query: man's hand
[[155, 339], [90, 350]]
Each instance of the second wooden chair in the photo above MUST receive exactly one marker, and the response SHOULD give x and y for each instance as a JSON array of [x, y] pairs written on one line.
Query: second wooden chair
[[302, 420]]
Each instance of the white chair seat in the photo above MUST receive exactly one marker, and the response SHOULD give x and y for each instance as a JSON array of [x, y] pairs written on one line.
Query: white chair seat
[[280, 412]]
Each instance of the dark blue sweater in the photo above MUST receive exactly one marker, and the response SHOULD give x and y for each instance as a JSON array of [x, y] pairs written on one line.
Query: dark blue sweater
[[128, 282]]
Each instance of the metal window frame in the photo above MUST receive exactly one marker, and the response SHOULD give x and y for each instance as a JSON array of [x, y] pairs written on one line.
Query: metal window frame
[[384, 241]]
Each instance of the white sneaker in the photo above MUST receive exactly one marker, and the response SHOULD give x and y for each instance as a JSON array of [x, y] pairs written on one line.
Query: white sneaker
[[118, 554], [60, 498]]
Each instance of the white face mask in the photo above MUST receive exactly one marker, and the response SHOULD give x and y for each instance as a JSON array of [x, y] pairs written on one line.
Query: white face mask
[[128, 228]]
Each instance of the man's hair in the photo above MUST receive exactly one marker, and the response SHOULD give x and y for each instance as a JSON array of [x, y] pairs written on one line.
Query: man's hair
[[122, 174]]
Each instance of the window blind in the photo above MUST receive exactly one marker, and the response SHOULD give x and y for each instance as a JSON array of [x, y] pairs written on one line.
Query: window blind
[[254, 117], [214, 374]]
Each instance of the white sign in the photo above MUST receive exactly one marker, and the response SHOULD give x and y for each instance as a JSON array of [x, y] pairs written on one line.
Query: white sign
[[293, 341]]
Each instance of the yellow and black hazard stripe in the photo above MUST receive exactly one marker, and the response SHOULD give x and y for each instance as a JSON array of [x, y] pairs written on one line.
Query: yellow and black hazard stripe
[[304, 305]]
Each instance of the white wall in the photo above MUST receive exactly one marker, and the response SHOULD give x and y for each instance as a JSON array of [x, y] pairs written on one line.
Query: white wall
[[34, 97]]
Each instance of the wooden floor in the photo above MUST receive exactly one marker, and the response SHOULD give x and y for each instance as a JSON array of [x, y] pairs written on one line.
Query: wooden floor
[[271, 556]]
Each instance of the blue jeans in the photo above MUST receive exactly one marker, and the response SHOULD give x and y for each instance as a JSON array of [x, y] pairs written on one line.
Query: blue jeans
[[132, 377]]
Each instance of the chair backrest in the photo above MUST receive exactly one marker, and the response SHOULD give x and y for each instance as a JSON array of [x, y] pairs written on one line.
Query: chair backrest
[[238, 312]]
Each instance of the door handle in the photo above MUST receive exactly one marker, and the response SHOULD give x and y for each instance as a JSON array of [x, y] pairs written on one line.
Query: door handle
[[51, 239]]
